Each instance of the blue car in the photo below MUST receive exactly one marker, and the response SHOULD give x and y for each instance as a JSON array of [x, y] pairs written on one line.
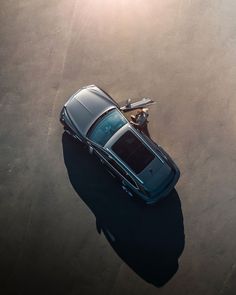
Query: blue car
[[96, 120]]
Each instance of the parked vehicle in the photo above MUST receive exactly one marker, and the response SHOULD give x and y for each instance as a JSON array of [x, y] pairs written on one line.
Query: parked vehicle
[[142, 166]]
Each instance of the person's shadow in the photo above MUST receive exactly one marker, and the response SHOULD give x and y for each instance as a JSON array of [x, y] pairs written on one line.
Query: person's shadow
[[150, 239]]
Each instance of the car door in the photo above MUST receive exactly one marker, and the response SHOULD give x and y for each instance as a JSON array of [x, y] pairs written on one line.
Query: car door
[[115, 169], [144, 102]]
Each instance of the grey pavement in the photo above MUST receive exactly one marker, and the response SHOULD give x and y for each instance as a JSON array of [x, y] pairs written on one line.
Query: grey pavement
[[59, 230]]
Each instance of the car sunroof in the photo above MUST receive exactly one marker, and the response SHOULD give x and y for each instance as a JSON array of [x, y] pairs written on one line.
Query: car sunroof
[[133, 152]]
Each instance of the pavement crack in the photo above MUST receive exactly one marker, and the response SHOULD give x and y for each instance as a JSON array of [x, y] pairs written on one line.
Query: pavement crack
[[62, 69]]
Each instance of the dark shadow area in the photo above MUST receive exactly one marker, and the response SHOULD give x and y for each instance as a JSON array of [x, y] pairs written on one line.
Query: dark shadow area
[[150, 239]]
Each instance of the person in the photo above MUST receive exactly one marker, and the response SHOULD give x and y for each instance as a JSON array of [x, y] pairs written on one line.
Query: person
[[140, 121]]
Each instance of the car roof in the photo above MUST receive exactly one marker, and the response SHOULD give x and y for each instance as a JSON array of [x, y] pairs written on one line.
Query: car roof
[[151, 169], [130, 149], [86, 106]]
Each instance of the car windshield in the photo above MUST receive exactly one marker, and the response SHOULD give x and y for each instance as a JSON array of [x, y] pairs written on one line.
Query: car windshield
[[133, 152], [106, 126]]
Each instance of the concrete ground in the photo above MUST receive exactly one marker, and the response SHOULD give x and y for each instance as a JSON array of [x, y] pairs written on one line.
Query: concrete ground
[[65, 225]]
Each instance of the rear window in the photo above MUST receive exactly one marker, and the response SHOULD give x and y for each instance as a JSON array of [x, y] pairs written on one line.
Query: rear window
[[133, 152]]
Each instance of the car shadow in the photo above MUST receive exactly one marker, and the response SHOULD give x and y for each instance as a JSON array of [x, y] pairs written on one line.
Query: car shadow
[[150, 239]]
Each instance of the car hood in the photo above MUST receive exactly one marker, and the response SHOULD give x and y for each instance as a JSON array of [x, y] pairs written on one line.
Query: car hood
[[86, 106]]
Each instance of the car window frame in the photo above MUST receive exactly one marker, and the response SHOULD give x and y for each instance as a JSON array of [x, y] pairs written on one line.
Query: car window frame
[[123, 173], [98, 119], [118, 169]]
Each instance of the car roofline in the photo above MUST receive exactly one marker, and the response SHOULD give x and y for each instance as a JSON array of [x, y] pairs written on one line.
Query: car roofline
[[124, 165], [110, 142], [147, 145]]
